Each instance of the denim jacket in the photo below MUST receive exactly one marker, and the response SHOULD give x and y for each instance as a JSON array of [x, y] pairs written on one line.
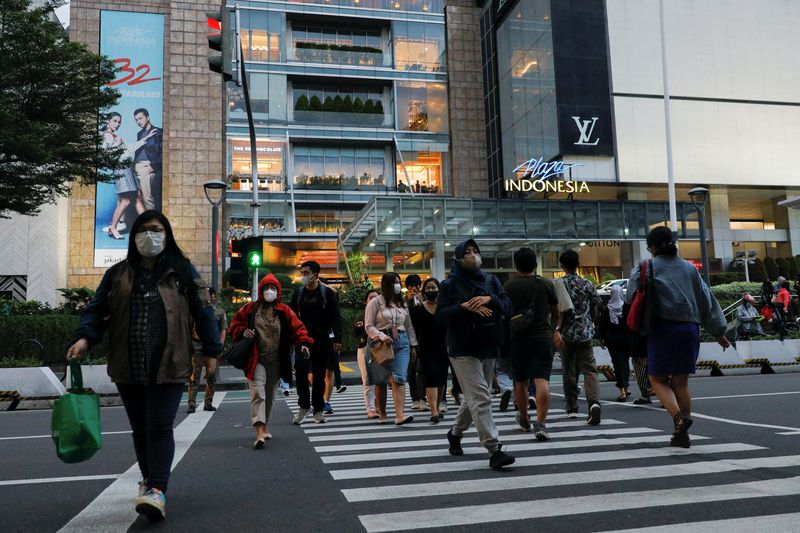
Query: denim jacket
[[680, 295]]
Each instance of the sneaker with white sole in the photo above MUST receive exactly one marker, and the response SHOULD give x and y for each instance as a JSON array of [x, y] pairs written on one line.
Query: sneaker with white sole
[[524, 425], [443, 407], [540, 431], [152, 504], [142, 488], [572, 413], [594, 415], [319, 417], [300, 416]]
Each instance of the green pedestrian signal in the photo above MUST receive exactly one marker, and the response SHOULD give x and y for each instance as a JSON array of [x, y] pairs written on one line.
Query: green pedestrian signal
[[254, 260]]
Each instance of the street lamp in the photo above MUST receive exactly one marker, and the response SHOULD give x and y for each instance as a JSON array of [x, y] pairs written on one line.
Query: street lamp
[[698, 196], [746, 258], [215, 192]]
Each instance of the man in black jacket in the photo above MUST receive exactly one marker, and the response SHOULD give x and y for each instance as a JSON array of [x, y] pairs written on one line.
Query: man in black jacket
[[472, 304], [317, 306]]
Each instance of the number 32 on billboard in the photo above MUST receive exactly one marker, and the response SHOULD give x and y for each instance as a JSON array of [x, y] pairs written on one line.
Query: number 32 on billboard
[[125, 68]]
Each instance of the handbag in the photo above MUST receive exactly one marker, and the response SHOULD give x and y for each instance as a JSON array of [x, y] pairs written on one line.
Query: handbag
[[75, 422], [381, 352], [637, 319], [238, 353]]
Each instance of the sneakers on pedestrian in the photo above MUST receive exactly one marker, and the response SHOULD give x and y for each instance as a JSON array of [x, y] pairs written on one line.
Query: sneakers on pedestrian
[[455, 444], [531, 404], [499, 458], [190, 410], [152, 504], [415, 406], [300, 416], [572, 413], [443, 407], [504, 399], [286, 392], [524, 425], [642, 401], [594, 415], [319, 417], [540, 431], [341, 388], [327, 409], [435, 419], [209, 407], [142, 488], [580, 389]]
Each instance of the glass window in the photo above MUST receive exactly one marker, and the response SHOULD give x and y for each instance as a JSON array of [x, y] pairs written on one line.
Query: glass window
[[269, 156], [422, 172], [267, 96], [339, 168], [261, 35], [419, 46], [422, 106]]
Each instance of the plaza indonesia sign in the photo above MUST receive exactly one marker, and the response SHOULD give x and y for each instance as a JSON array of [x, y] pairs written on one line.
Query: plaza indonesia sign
[[538, 175]]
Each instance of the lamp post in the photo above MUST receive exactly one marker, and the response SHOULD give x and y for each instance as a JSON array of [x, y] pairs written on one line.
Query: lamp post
[[215, 192], [698, 196], [745, 258]]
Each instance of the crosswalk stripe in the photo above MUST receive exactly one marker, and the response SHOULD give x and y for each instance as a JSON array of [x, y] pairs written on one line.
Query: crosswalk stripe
[[601, 431], [333, 425], [361, 415], [436, 430], [479, 450], [779, 522], [470, 486], [461, 466], [521, 510]]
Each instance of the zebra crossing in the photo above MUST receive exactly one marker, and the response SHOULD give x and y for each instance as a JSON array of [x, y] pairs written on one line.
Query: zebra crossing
[[403, 478]]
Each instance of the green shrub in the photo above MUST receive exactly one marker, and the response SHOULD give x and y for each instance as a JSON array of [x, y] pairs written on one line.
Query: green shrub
[[329, 105], [726, 277], [337, 101], [358, 106], [302, 103], [54, 332], [379, 108], [772, 268], [758, 272], [349, 317], [347, 105], [783, 267], [731, 292], [29, 308], [314, 104], [369, 107], [608, 276]]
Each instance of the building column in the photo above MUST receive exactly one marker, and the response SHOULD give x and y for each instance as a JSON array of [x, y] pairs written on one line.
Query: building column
[[789, 218], [638, 248], [438, 268], [719, 219]]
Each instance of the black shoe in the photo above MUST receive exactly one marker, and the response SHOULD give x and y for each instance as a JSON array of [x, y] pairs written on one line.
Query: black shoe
[[504, 399], [499, 459], [680, 437], [642, 401], [531, 404], [341, 388], [572, 413], [435, 419], [209, 407], [190, 410], [496, 392], [594, 415], [580, 390], [455, 444]]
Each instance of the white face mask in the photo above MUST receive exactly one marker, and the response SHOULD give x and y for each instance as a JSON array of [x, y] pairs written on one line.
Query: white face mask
[[149, 243], [270, 295], [397, 288], [305, 280], [472, 262]]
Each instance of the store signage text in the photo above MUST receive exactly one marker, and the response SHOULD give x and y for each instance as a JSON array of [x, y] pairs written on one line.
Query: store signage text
[[535, 175], [586, 127], [261, 149]]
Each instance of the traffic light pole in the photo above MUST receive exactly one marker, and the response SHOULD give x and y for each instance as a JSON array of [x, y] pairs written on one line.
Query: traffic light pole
[[253, 154]]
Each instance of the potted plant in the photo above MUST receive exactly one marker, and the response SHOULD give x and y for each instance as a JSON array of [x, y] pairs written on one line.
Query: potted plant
[[314, 104]]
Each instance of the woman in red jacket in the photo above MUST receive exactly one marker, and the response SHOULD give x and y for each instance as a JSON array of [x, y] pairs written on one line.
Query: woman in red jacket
[[276, 329]]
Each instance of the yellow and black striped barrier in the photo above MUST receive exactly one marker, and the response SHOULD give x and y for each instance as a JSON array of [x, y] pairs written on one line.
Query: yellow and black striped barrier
[[10, 396]]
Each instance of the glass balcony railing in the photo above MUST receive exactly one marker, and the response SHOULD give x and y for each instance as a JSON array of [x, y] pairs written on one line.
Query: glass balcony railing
[[365, 182], [420, 6], [266, 182], [339, 55], [336, 118]]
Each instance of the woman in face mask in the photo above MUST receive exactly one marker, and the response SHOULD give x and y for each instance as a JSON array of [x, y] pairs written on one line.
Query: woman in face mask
[[432, 348], [387, 319], [276, 329], [148, 303]]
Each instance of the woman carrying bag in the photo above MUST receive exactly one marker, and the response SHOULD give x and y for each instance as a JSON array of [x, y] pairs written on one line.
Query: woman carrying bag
[[614, 335], [388, 324], [274, 328], [148, 303]]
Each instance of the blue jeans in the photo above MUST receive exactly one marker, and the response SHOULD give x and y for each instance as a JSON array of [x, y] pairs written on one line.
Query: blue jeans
[[379, 374]]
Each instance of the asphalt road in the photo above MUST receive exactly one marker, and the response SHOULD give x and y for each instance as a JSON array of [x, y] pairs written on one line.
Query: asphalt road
[[741, 474]]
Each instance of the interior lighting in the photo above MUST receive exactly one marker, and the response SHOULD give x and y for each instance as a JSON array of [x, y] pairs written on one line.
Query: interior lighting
[[372, 244], [448, 244], [582, 244]]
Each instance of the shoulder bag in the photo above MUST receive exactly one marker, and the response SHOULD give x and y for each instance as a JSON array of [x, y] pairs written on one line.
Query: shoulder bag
[[381, 352], [637, 319], [238, 353]]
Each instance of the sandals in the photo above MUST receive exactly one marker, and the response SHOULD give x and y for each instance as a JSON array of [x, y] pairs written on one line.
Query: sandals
[[258, 444]]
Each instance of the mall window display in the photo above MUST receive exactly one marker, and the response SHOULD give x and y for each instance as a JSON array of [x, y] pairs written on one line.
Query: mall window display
[[419, 47], [357, 169], [270, 165], [422, 106]]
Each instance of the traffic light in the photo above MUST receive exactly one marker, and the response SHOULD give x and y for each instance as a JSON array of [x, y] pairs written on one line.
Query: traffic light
[[246, 256], [220, 38], [253, 259]]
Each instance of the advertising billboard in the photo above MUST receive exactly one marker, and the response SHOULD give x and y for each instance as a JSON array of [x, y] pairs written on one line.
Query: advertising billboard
[[135, 42]]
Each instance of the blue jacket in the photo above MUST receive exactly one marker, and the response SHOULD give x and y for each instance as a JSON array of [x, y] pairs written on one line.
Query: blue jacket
[[680, 294]]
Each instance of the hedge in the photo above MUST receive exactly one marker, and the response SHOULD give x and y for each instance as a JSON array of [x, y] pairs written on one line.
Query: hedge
[[53, 331]]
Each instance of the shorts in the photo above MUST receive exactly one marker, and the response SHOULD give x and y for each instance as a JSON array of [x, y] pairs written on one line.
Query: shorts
[[397, 368], [531, 358]]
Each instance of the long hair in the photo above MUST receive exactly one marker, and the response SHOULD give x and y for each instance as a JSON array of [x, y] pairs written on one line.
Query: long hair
[[171, 257], [430, 280], [387, 289], [661, 241]]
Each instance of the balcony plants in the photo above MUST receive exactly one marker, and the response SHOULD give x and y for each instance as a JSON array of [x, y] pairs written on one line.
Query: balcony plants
[[315, 104], [302, 103]]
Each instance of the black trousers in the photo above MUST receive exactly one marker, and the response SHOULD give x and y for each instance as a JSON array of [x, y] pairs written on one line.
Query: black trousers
[[151, 412], [416, 381], [622, 369], [318, 365]]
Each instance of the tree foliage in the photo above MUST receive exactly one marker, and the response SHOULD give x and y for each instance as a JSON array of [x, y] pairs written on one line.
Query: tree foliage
[[52, 92]]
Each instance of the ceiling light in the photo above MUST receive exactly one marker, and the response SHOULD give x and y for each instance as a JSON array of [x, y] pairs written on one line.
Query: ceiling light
[[372, 244], [582, 244], [448, 244]]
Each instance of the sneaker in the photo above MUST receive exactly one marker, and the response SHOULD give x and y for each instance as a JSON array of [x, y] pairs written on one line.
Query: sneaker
[[540, 431], [499, 459], [286, 392], [580, 389], [572, 413], [300, 416], [455, 444], [415, 406], [642, 401], [209, 407], [594, 415], [142, 488], [504, 399], [524, 425], [319, 417], [190, 410], [152, 504], [443, 407], [496, 391], [341, 388], [435, 419], [531, 404], [327, 409]]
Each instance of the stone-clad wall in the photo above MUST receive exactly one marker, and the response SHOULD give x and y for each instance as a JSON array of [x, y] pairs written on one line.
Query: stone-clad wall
[[193, 126], [467, 118]]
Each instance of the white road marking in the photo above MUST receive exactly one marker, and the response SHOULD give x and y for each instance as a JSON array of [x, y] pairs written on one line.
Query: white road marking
[[778, 522], [36, 481], [471, 486], [756, 395], [332, 425], [112, 510], [462, 466], [50, 436], [508, 511]]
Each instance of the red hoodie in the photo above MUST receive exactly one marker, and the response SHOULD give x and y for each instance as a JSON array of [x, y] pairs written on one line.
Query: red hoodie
[[293, 332]]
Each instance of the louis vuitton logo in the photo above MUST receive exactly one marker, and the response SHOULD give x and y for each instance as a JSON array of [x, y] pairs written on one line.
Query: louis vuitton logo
[[586, 127]]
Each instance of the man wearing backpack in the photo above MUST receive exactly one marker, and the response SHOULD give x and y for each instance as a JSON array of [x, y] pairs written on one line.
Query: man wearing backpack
[[533, 319], [472, 304], [317, 306]]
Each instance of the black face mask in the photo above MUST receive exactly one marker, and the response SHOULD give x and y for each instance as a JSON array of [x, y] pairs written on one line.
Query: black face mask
[[431, 295]]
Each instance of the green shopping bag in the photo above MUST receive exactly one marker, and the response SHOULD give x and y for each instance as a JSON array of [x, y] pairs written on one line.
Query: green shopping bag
[[75, 425]]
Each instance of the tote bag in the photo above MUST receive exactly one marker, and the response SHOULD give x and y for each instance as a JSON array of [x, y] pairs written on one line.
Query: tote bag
[[638, 314], [75, 422], [238, 353]]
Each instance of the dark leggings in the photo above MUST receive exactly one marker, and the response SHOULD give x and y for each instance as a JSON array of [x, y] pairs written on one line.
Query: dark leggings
[[151, 411], [640, 371], [622, 369]]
